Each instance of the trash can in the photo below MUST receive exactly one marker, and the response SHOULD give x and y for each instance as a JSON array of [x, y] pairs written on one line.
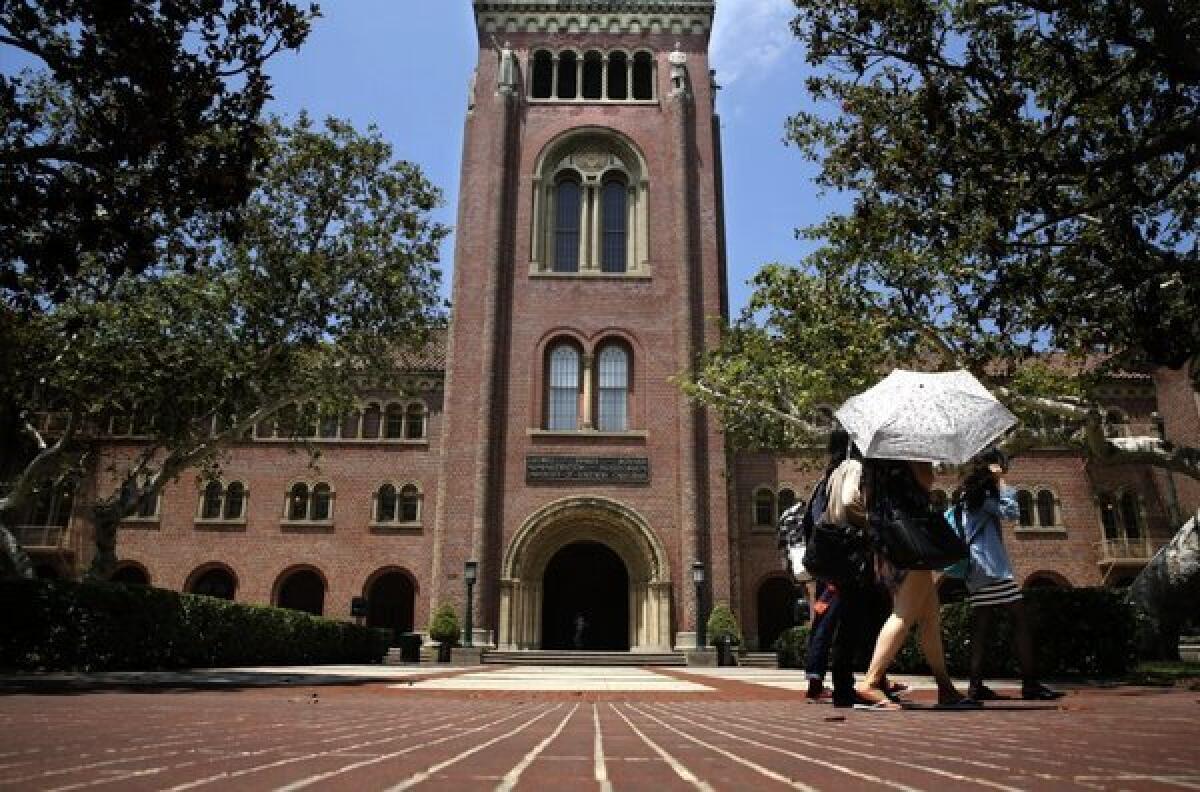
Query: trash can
[[410, 647], [725, 651]]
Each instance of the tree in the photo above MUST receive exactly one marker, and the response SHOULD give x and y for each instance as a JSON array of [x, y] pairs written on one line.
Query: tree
[[329, 283], [1026, 186]]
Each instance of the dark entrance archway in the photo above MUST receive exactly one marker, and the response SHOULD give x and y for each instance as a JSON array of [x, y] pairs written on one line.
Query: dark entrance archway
[[303, 590], [130, 575], [776, 610], [585, 579], [390, 599], [214, 582]]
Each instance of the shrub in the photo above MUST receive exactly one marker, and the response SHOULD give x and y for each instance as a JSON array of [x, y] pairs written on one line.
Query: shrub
[[62, 625], [792, 647], [444, 626], [723, 625]]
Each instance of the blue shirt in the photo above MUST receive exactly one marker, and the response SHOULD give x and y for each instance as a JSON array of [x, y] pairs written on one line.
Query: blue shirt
[[981, 530]]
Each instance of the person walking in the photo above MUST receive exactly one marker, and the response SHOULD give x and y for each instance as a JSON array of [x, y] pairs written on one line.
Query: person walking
[[904, 485], [981, 502]]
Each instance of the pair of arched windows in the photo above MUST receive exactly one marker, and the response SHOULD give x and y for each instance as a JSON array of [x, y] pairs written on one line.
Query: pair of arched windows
[[768, 505], [596, 76], [570, 374], [1121, 516], [591, 222], [1040, 510], [223, 501], [310, 504], [398, 505]]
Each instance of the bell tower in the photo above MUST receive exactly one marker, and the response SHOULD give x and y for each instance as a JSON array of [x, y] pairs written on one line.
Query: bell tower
[[589, 254]]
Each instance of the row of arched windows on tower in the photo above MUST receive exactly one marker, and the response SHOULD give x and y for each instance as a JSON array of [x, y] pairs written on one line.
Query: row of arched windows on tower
[[597, 76]]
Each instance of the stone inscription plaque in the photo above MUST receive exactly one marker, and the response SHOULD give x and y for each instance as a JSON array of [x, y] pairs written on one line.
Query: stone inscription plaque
[[609, 470]]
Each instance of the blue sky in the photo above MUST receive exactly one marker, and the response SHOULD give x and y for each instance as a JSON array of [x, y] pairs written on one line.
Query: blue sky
[[404, 66]]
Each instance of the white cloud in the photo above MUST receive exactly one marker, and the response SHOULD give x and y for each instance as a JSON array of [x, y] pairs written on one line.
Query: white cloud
[[749, 37]]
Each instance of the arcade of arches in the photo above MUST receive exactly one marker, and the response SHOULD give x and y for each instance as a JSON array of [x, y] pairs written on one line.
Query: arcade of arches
[[585, 573]]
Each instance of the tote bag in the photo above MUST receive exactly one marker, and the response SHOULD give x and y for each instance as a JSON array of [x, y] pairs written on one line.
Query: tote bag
[[918, 541]]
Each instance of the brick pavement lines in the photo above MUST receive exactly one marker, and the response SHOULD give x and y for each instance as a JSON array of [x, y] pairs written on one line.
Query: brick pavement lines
[[680, 770], [434, 769], [374, 760], [227, 776], [629, 762]]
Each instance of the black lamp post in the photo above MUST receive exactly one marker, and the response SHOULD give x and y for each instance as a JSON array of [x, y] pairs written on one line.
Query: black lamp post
[[698, 579], [470, 575]]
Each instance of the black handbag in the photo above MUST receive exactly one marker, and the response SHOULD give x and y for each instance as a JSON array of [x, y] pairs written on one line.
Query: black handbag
[[924, 541], [838, 553]]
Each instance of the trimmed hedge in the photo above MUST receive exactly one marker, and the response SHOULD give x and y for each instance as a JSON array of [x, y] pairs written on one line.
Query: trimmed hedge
[[1076, 632], [66, 626]]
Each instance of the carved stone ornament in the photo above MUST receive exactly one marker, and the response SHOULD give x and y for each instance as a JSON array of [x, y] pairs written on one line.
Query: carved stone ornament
[[592, 157]]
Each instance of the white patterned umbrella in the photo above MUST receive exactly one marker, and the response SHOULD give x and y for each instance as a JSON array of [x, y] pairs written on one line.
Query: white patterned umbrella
[[943, 417]]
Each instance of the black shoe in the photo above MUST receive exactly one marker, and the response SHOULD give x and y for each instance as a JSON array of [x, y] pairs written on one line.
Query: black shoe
[[1039, 692], [982, 692]]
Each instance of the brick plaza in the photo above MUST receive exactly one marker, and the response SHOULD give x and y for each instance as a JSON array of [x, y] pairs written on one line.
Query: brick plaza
[[603, 729]]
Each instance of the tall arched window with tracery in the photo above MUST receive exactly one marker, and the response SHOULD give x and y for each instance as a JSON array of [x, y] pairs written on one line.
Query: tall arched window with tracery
[[562, 406], [613, 412], [566, 226], [615, 222]]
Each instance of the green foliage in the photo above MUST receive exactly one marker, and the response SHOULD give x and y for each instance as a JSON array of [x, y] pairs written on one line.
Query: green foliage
[[792, 647], [131, 122], [53, 625], [444, 627], [722, 625], [1020, 171]]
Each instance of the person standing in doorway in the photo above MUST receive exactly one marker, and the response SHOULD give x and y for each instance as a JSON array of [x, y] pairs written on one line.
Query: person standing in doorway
[[580, 627]]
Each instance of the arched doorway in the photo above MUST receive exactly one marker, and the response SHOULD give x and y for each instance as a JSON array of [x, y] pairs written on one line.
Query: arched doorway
[[603, 529], [586, 599], [214, 581], [130, 575], [776, 610], [302, 590], [390, 600]]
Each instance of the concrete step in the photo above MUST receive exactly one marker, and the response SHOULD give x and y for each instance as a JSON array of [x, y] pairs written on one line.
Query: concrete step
[[758, 660], [571, 658]]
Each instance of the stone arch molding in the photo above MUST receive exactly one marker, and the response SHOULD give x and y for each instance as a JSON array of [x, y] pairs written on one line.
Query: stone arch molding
[[577, 519]]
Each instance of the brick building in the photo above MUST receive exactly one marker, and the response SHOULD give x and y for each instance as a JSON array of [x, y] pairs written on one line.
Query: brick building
[[546, 447]]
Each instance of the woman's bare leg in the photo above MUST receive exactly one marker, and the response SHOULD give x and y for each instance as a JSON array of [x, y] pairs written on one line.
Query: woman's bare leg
[[906, 604]]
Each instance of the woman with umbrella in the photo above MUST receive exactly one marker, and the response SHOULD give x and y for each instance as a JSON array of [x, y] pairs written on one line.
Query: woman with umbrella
[[902, 426]]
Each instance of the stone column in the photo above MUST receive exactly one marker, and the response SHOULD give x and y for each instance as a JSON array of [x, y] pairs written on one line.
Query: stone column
[[586, 362]]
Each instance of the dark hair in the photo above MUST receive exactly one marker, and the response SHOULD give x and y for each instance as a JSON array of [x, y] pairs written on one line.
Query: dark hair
[[977, 487], [892, 487], [839, 448]]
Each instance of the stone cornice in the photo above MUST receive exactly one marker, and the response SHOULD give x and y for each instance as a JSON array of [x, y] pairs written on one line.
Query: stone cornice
[[683, 17]]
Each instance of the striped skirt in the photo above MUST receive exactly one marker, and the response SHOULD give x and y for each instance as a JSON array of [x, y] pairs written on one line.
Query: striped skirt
[[1001, 592]]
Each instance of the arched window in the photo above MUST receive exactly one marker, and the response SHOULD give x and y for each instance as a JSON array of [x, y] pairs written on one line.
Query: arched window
[[613, 413], [322, 502], [593, 76], [543, 75], [385, 504], [210, 509], [1109, 516], [563, 402], [764, 507], [568, 207], [330, 423], [618, 76], [787, 499], [1025, 504], [298, 502], [643, 76], [1047, 509], [394, 425], [371, 421], [1130, 516], [235, 500], [615, 221], [567, 75], [147, 506], [414, 422], [351, 422], [410, 504]]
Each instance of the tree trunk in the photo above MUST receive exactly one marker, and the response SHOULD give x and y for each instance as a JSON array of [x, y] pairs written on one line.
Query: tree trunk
[[14, 561], [1167, 593]]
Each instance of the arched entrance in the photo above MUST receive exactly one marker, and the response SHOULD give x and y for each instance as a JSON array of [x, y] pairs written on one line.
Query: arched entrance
[[302, 590], [390, 599], [566, 538], [586, 599], [213, 580], [776, 610], [130, 574]]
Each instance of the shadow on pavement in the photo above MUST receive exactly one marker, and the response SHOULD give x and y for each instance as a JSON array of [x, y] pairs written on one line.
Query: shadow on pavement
[[192, 681]]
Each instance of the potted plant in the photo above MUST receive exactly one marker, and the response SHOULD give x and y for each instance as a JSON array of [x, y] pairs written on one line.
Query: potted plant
[[723, 631], [445, 630]]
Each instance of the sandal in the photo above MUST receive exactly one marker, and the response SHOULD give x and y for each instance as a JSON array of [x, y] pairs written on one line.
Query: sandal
[[863, 701]]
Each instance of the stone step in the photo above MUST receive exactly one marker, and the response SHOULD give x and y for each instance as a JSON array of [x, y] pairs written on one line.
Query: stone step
[[571, 658], [758, 660]]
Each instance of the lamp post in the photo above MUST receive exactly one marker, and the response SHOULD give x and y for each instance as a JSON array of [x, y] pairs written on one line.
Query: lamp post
[[698, 579], [470, 575]]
